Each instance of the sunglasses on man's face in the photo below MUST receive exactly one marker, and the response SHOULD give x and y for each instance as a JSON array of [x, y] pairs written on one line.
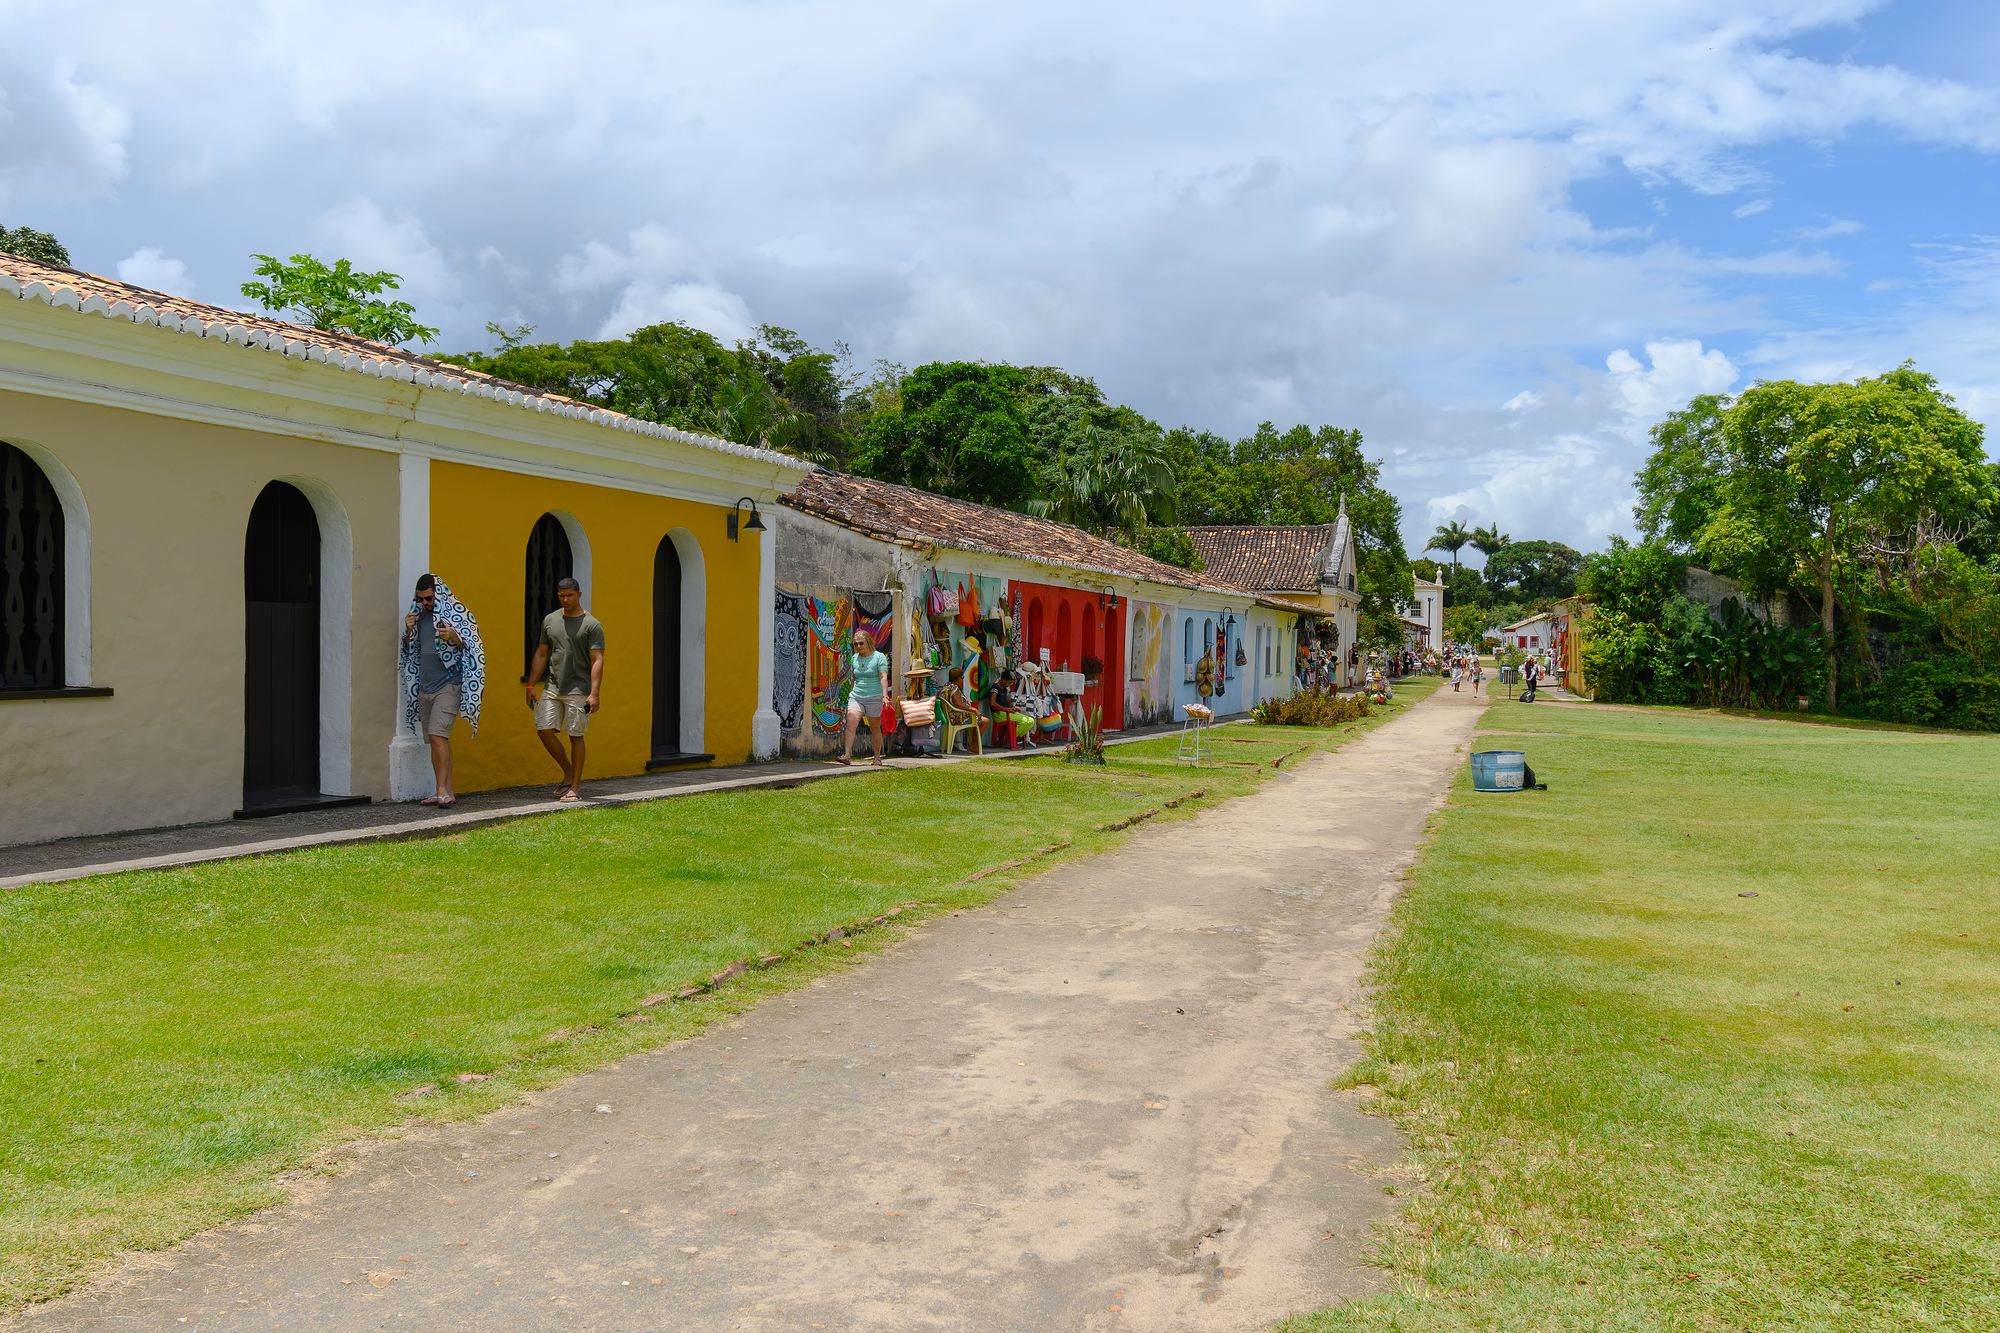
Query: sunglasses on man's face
[[427, 597]]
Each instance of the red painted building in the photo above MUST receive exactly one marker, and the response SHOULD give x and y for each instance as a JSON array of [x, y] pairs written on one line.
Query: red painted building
[[1073, 623]]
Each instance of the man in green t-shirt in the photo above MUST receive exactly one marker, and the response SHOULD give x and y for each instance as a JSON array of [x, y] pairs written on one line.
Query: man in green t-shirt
[[571, 651]]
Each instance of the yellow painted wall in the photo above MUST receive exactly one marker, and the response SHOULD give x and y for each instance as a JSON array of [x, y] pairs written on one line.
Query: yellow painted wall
[[169, 504], [480, 522]]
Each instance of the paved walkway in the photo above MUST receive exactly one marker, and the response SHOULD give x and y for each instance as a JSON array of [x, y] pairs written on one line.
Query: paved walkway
[[1099, 1103], [229, 839]]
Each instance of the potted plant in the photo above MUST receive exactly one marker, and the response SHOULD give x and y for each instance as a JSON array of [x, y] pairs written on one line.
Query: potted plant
[[1087, 745], [1093, 670]]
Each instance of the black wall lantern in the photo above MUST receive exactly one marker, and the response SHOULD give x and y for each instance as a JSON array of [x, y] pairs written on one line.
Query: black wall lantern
[[756, 523], [1108, 599]]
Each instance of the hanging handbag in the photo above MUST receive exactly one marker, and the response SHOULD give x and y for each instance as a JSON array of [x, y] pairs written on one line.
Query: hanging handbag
[[1242, 658], [943, 600], [968, 606]]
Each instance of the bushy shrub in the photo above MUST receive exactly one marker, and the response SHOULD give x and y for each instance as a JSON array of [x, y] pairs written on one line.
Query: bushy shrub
[[1688, 656], [1311, 708]]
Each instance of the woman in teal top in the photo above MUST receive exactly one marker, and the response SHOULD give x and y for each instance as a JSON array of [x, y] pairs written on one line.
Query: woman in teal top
[[870, 695]]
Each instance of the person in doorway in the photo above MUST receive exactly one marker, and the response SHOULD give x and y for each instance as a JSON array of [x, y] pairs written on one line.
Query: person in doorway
[[443, 668], [1532, 673], [870, 696], [571, 652]]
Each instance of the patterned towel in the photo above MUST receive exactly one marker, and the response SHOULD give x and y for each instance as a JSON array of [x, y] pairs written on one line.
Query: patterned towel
[[471, 659]]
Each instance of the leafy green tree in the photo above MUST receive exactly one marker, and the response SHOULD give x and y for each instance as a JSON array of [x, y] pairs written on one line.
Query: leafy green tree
[[1534, 571], [1633, 581], [336, 299], [1680, 487], [1105, 469], [36, 245], [669, 373], [1488, 540], [1818, 476], [961, 430], [1170, 546], [1303, 476], [1452, 537], [816, 409]]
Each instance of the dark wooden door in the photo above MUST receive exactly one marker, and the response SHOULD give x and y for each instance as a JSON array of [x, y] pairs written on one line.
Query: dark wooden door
[[281, 649], [666, 650], [550, 561], [31, 576]]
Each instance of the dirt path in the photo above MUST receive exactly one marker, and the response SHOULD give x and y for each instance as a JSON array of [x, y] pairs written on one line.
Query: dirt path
[[1099, 1103]]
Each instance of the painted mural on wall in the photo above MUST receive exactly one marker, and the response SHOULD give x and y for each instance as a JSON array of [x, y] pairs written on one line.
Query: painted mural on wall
[[813, 673], [1149, 656], [788, 674], [828, 675]]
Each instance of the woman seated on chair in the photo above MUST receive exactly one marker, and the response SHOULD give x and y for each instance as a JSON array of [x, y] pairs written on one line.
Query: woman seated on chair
[[958, 709], [1004, 704]]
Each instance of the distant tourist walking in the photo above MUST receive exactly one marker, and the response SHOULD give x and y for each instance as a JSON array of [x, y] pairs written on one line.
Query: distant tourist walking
[[1478, 675], [443, 671], [571, 651], [1532, 673], [870, 696], [1457, 675]]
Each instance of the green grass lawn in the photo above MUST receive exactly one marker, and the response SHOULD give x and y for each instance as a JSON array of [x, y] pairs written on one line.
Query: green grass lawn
[[171, 1040], [1637, 1098]]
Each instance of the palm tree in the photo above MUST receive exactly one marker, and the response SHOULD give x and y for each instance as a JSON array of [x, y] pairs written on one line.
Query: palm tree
[[1451, 537], [1488, 540]]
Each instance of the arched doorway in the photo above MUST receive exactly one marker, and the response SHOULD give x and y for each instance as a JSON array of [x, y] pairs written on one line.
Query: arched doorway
[[680, 653], [281, 595], [1064, 655], [666, 650], [32, 577], [1034, 643], [550, 560]]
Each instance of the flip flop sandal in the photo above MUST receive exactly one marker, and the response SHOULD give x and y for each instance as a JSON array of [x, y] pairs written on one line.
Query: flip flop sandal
[[568, 798], [446, 805], [428, 800], [558, 793], [845, 763]]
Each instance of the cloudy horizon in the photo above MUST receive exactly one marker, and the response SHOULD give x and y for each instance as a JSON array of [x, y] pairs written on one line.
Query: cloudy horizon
[[1499, 245]]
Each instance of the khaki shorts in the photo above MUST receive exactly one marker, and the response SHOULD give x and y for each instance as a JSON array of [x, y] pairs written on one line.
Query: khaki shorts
[[567, 713], [436, 712]]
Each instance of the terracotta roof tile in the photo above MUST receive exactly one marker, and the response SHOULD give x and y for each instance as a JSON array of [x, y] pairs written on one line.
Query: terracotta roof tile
[[1269, 558], [919, 518], [90, 293]]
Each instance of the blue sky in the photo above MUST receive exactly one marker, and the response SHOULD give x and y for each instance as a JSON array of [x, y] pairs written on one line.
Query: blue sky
[[1501, 240]]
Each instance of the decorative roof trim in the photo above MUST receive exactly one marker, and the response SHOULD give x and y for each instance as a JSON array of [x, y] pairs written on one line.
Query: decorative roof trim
[[376, 360]]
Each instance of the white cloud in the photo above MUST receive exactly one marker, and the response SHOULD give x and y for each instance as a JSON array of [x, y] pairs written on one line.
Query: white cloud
[[59, 135], [150, 268], [1837, 227], [1681, 370], [359, 230], [1380, 216], [659, 278]]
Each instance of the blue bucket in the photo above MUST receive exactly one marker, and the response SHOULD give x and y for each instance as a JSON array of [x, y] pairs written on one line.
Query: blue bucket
[[1499, 770]]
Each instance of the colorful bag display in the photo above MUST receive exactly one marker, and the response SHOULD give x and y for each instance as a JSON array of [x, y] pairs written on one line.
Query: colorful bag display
[[942, 601]]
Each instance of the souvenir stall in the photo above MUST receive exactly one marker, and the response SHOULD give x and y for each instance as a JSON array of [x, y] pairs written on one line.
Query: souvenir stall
[[812, 675], [1320, 661]]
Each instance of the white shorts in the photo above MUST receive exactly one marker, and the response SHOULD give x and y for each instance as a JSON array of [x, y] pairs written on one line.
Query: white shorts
[[568, 713]]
